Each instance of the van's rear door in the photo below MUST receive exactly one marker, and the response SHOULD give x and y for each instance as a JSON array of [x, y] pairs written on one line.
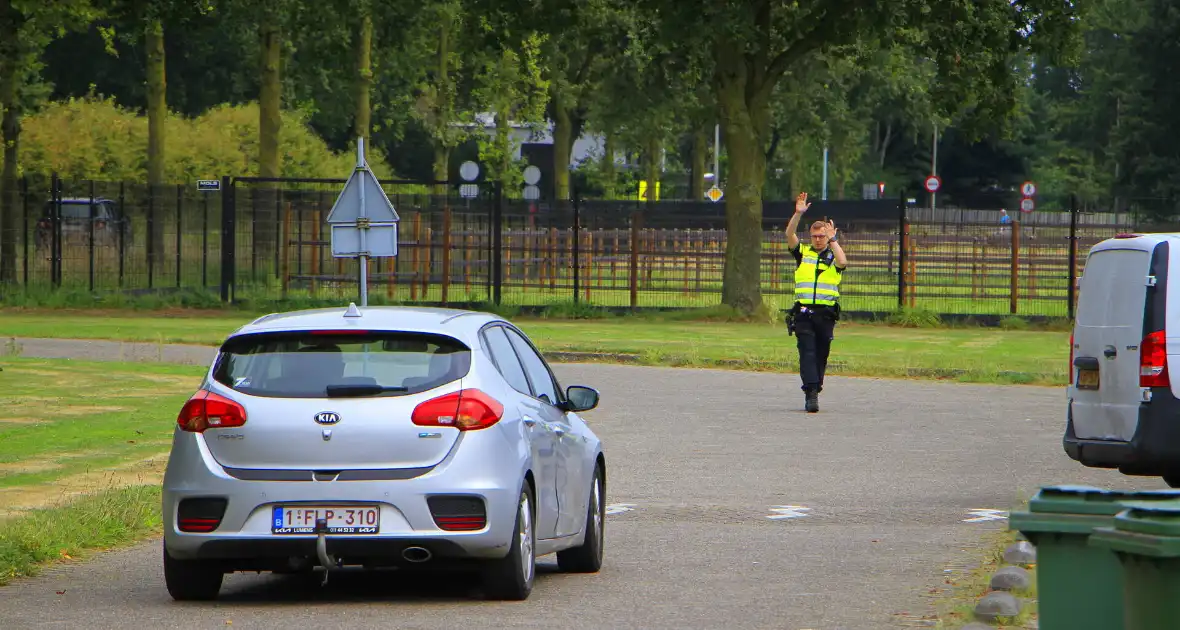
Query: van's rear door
[[1107, 334]]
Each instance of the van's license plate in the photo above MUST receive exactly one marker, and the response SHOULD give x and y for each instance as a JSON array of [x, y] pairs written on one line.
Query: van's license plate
[[342, 519], [1087, 379]]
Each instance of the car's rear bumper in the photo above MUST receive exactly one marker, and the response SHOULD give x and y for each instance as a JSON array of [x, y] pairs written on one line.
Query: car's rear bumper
[[1154, 449], [244, 534]]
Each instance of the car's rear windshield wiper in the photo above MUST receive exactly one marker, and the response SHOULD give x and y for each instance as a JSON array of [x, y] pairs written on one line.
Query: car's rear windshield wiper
[[342, 391]]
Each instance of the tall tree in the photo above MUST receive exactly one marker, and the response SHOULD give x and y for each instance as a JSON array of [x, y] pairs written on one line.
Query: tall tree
[[753, 45], [26, 27]]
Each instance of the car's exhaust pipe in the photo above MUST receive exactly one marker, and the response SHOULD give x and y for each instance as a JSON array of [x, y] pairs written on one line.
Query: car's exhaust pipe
[[416, 554]]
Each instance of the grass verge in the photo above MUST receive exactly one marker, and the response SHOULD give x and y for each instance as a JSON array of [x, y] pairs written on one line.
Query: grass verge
[[104, 520], [912, 347], [956, 605]]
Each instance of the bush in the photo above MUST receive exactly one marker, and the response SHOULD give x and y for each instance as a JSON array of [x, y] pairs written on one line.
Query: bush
[[95, 138]]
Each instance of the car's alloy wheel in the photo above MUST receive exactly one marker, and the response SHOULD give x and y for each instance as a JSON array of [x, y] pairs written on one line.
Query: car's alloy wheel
[[512, 576], [587, 557]]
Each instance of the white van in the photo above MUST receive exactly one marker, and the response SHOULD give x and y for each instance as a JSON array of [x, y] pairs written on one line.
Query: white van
[[1124, 409]]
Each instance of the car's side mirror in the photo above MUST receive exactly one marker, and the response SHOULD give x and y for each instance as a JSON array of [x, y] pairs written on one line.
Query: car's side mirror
[[580, 398]]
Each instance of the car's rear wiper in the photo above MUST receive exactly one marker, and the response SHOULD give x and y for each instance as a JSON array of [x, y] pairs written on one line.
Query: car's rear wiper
[[342, 391]]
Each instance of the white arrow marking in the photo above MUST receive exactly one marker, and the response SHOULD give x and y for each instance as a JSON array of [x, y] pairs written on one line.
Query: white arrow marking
[[982, 515], [780, 512], [619, 508]]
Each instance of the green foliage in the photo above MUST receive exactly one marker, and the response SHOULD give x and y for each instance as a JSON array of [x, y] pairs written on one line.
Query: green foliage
[[914, 318], [95, 138]]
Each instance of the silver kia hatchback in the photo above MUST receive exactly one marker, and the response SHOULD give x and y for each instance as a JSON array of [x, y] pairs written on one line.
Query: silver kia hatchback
[[381, 437]]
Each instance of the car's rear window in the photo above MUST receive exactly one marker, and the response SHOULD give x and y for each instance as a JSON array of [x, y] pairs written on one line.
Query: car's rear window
[[323, 364]]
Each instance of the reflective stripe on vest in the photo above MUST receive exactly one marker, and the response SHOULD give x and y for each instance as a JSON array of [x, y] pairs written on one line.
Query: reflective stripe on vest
[[815, 284]]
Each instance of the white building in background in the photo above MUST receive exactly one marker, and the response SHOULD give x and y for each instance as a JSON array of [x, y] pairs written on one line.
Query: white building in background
[[526, 139]]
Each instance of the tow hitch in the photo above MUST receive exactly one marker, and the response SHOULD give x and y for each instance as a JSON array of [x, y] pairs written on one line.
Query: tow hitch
[[321, 548]]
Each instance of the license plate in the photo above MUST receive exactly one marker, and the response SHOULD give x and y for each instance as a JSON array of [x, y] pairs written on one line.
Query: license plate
[[342, 519], [1087, 379]]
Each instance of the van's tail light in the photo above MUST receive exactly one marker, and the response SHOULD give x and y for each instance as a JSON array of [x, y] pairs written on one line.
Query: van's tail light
[[1069, 369], [466, 410], [206, 410], [1153, 361]]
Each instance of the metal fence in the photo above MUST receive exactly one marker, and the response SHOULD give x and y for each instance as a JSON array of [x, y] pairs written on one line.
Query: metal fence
[[267, 239]]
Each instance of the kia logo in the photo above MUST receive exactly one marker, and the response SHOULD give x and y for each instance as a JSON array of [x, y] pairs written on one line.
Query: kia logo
[[327, 417]]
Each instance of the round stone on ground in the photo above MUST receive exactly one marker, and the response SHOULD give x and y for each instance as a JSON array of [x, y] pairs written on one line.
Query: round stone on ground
[[997, 604], [1021, 553], [1011, 579]]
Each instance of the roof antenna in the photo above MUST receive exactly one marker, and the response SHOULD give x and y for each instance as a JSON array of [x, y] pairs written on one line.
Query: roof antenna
[[352, 311]]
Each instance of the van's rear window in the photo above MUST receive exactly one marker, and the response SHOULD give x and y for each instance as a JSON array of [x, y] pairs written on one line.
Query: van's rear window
[[326, 363]]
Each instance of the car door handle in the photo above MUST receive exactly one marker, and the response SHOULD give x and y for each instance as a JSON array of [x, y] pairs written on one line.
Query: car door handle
[[560, 431], [529, 421], [1110, 352]]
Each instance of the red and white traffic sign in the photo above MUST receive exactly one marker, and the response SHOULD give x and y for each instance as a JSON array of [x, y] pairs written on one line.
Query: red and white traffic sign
[[933, 183], [1028, 189], [1027, 204]]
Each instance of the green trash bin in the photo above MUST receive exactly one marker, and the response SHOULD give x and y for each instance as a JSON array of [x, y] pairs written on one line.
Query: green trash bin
[[1079, 587], [1146, 540]]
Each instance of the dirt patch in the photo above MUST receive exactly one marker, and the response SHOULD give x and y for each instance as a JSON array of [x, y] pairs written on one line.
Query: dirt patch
[[81, 410], [24, 420], [29, 466], [17, 500], [171, 380], [35, 372]]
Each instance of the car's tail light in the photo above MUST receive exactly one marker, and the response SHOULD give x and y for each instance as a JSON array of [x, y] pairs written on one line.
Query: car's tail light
[[466, 410], [199, 516], [206, 410], [457, 513], [1153, 361]]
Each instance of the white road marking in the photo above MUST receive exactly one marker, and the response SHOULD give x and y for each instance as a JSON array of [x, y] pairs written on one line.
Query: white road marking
[[984, 515], [780, 512], [619, 508]]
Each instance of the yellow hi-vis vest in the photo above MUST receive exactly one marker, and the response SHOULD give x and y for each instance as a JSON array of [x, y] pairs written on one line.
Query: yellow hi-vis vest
[[816, 282]]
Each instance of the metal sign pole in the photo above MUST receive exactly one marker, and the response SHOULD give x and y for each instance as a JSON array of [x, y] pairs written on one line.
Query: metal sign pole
[[362, 223]]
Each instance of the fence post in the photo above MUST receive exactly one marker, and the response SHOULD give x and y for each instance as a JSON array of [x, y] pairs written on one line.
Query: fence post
[[577, 238], [497, 243], [151, 231], [1014, 273], [24, 191], [55, 240], [902, 244], [124, 229], [228, 236], [179, 231], [636, 229], [1073, 255], [90, 234]]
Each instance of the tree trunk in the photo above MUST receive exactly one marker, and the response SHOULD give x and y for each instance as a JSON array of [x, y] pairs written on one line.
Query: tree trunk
[[364, 78], [270, 95], [608, 166], [10, 134], [562, 144], [265, 206], [654, 150], [157, 110], [746, 116], [443, 105], [700, 162]]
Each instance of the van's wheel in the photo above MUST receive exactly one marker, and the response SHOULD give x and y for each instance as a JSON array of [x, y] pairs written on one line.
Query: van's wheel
[[511, 577], [1172, 479], [587, 557], [191, 580]]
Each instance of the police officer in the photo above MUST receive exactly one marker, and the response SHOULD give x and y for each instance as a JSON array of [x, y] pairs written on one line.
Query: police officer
[[812, 319]]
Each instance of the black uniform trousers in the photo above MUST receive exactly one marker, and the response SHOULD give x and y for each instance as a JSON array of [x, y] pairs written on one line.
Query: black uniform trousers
[[814, 331]]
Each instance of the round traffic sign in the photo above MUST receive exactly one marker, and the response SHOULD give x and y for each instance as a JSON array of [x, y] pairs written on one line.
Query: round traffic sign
[[1028, 189], [532, 175], [532, 193], [1027, 205], [933, 183], [469, 171]]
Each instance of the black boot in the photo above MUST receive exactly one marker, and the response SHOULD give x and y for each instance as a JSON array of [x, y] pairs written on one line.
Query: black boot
[[812, 401]]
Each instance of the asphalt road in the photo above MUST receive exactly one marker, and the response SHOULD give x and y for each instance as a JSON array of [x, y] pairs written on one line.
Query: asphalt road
[[876, 490]]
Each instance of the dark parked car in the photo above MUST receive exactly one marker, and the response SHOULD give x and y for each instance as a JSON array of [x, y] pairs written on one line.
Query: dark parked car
[[76, 216]]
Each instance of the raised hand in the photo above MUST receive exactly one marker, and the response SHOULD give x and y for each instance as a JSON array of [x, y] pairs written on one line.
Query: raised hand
[[801, 204]]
